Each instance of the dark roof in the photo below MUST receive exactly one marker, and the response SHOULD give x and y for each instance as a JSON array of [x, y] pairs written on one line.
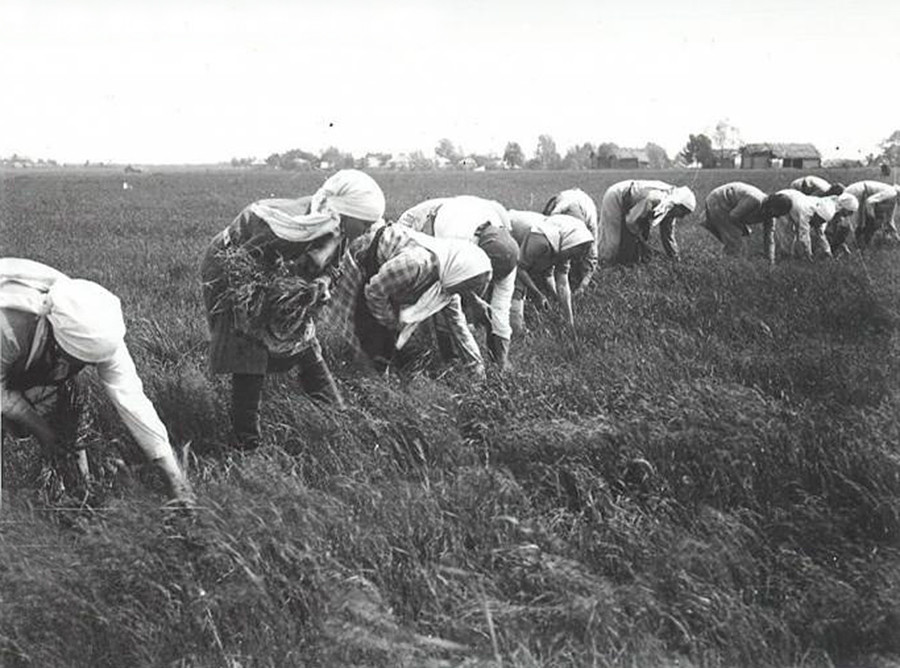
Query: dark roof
[[626, 153], [778, 150]]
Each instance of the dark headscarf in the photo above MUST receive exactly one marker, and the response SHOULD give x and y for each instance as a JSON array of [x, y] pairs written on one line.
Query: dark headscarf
[[500, 247]]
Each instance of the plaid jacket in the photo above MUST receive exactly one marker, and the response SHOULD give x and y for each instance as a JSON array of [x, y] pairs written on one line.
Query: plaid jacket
[[404, 271]]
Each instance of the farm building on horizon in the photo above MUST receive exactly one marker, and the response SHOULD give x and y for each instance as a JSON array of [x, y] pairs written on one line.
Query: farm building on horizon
[[625, 158], [765, 155]]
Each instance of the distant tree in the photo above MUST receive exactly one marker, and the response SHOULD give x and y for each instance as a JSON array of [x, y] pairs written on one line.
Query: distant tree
[[604, 153], [235, 162], [890, 149], [699, 149], [298, 159], [659, 159], [336, 159], [418, 160], [274, 160], [447, 149], [725, 137], [579, 157], [513, 155], [546, 153]]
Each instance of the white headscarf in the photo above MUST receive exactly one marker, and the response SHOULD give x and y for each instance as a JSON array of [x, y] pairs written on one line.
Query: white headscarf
[[576, 202], [847, 202], [563, 231], [458, 261], [681, 195], [349, 192], [86, 318], [826, 208]]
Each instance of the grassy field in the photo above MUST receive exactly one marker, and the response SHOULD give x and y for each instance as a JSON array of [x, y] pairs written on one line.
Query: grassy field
[[437, 523]]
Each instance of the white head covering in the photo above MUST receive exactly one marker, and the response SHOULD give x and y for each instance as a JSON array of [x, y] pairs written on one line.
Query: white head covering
[[847, 202], [563, 231], [86, 318], [349, 192], [826, 207], [458, 261], [459, 217], [681, 195], [576, 202]]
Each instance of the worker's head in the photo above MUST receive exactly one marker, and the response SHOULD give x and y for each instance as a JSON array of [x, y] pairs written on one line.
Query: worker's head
[[355, 197], [775, 205], [677, 203], [835, 189], [463, 266], [501, 249], [847, 204], [86, 320]]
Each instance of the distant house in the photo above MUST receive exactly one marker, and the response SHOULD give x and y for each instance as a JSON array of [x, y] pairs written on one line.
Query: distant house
[[626, 158], [468, 163], [764, 156], [728, 158], [401, 162]]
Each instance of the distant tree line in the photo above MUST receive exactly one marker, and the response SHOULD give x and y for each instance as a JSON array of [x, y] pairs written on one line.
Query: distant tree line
[[449, 155]]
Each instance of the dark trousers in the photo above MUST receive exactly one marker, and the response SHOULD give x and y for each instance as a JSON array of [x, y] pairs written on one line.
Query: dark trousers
[[247, 389]]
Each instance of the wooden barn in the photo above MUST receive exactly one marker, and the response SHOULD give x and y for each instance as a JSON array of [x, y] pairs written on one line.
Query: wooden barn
[[797, 156], [627, 158]]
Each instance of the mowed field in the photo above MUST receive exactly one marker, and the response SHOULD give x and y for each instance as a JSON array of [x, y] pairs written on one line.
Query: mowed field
[[439, 523]]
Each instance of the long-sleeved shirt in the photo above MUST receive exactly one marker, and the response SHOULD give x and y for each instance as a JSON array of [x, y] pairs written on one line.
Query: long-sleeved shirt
[[234, 351], [578, 204], [546, 265], [117, 375], [737, 206], [737, 202], [806, 222], [426, 218], [871, 194], [812, 185], [405, 272], [632, 204]]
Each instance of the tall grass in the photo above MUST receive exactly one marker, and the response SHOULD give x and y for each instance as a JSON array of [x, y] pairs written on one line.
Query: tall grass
[[706, 475]]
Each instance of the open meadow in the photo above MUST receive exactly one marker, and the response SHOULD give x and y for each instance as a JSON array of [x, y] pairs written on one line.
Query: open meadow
[[439, 523]]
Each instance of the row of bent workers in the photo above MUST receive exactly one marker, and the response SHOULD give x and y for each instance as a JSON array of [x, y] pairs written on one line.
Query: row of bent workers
[[284, 265]]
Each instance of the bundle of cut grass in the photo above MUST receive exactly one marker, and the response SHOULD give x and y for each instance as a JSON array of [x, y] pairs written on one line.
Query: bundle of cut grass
[[273, 304]]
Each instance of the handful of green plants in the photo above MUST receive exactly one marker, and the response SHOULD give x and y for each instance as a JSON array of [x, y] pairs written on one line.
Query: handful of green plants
[[273, 304]]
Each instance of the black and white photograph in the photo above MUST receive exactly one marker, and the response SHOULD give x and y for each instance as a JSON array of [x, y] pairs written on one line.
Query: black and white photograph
[[449, 334]]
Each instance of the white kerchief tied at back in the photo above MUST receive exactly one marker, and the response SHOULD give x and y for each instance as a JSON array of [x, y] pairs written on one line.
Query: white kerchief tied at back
[[458, 261], [349, 192], [682, 195], [86, 318]]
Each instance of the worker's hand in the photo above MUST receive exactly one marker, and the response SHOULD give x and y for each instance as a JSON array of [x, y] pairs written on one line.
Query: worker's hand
[[180, 491]]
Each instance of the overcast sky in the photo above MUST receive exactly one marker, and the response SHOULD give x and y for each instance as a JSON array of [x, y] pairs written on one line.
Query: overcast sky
[[169, 81]]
